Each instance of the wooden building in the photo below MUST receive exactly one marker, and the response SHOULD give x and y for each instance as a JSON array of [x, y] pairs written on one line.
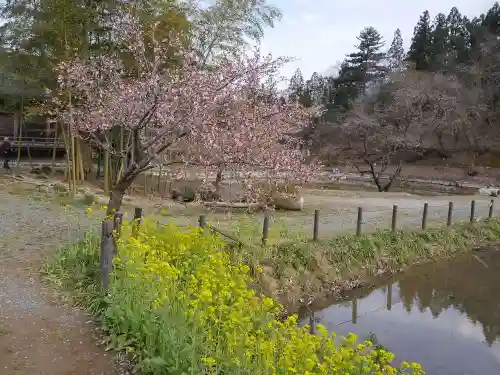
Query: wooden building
[[37, 135]]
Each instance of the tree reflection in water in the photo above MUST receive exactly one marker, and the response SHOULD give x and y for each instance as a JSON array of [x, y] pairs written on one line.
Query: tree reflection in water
[[470, 284]]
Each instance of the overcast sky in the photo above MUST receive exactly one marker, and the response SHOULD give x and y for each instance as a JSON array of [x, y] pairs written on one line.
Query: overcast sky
[[321, 32]]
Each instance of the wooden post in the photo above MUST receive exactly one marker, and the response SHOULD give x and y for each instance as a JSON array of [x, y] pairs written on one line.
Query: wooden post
[[202, 222], [159, 178], [389, 297], [117, 222], [354, 316], [316, 225], [394, 217], [106, 172], [312, 323], [450, 214], [490, 212], [472, 210], [359, 221], [138, 214], [424, 215], [107, 251], [117, 225], [137, 220], [265, 230]]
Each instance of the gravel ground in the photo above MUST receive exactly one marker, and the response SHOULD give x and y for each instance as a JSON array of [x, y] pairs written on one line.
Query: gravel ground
[[37, 335], [338, 210]]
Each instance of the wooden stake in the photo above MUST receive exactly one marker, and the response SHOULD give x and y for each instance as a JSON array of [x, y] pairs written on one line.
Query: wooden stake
[[106, 172]]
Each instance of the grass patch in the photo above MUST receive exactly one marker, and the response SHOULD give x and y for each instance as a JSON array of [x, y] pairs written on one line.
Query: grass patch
[[75, 268]]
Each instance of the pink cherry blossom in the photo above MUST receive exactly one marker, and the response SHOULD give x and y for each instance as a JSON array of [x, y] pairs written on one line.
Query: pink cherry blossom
[[216, 115]]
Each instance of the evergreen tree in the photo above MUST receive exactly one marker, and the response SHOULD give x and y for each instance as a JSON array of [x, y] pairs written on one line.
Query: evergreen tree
[[366, 65], [491, 21], [328, 94], [458, 38], [269, 91], [314, 92], [438, 48], [296, 87], [483, 28], [396, 53], [345, 87], [420, 43], [307, 99], [476, 32]]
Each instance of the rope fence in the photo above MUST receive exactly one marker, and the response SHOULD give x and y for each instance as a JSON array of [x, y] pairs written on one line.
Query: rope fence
[[472, 213]]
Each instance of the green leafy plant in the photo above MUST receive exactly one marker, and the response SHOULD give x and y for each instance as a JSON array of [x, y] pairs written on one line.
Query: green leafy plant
[[180, 305]]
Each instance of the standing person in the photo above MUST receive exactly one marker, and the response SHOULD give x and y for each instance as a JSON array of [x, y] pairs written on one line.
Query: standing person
[[5, 150]]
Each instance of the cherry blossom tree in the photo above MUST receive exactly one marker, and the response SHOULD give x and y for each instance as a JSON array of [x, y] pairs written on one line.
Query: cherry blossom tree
[[255, 141], [214, 114]]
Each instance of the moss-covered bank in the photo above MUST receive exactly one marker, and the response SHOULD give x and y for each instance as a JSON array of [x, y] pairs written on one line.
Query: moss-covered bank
[[299, 271]]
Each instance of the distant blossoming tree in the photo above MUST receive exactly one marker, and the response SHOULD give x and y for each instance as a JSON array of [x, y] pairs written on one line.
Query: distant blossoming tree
[[216, 115]]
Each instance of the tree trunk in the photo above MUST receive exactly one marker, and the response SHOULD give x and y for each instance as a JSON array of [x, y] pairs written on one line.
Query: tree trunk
[[395, 175], [376, 179], [73, 165], [116, 195], [218, 179]]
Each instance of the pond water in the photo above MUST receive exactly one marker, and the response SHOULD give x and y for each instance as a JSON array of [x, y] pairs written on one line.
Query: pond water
[[445, 315]]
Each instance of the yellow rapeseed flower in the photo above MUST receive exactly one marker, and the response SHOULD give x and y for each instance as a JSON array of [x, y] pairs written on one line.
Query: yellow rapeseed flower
[[175, 291]]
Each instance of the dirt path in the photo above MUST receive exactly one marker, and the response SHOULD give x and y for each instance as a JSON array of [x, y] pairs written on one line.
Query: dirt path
[[37, 335]]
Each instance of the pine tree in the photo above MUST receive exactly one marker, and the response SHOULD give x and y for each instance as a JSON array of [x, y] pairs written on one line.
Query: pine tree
[[396, 53], [307, 99], [270, 90], [438, 49], [458, 37], [476, 32], [315, 90], [491, 20], [345, 87], [420, 43], [366, 64], [296, 87]]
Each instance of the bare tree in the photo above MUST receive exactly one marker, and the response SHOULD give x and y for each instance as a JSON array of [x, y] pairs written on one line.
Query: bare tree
[[372, 145], [480, 100], [416, 114], [413, 112]]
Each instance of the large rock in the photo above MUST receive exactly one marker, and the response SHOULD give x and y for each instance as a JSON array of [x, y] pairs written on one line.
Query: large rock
[[189, 190], [184, 194], [46, 170], [288, 203], [184, 190], [60, 187]]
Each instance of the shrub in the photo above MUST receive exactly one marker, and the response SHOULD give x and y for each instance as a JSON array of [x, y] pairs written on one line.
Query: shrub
[[181, 306]]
